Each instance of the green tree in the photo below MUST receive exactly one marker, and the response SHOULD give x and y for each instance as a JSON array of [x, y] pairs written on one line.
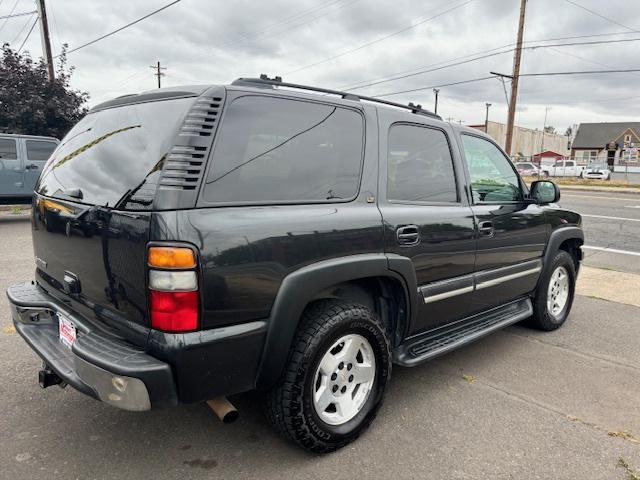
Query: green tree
[[29, 103], [549, 129]]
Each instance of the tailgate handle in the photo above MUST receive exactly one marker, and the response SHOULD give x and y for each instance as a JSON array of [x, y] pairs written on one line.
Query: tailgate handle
[[71, 283]]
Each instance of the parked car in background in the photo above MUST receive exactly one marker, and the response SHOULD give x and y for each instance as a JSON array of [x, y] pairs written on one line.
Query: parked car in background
[[21, 160], [563, 168], [528, 169], [597, 172]]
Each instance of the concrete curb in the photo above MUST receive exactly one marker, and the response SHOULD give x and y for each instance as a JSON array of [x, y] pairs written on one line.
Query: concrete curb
[[600, 189]]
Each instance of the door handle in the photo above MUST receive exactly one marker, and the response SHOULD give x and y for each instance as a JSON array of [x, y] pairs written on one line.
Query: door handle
[[408, 235], [485, 229], [32, 166]]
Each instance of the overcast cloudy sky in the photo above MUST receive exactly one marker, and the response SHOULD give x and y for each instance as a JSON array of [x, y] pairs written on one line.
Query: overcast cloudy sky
[[341, 43]]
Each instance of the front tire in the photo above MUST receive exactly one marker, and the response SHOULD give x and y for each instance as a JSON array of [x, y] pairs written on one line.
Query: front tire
[[335, 378], [554, 297]]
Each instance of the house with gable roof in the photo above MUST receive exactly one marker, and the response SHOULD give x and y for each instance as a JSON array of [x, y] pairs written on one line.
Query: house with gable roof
[[616, 144]]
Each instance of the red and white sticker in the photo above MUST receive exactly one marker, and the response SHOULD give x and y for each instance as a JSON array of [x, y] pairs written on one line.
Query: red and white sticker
[[66, 330]]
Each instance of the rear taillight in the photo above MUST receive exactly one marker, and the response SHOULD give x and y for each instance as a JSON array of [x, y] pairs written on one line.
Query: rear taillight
[[173, 289]]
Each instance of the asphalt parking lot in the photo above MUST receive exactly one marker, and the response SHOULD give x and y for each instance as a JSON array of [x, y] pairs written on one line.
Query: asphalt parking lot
[[518, 404]]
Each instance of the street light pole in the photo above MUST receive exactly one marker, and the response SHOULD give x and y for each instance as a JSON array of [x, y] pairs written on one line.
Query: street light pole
[[544, 126], [486, 119], [436, 91]]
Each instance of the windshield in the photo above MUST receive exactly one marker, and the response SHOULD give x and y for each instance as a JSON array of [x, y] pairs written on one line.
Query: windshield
[[114, 157]]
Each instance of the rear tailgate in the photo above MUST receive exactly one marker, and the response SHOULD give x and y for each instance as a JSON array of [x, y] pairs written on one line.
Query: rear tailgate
[[94, 259], [91, 212]]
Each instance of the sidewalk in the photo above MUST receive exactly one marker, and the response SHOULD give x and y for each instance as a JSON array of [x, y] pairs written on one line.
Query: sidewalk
[[609, 285]]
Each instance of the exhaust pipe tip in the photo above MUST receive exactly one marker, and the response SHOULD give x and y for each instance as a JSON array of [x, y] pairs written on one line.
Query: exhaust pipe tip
[[223, 409]]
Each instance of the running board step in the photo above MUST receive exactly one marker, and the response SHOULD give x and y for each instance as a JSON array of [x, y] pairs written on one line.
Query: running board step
[[450, 337]]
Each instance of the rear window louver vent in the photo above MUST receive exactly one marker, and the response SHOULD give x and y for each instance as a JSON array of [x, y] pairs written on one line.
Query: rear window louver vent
[[183, 167], [202, 119], [186, 160]]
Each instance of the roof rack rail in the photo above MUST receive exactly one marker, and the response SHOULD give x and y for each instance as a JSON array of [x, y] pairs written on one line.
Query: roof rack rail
[[264, 81]]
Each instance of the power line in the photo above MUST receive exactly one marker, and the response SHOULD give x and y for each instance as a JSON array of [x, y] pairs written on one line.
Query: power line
[[391, 76], [22, 14], [463, 62], [540, 74], [28, 34], [435, 86], [10, 13], [584, 72], [602, 16], [21, 30], [122, 28], [381, 39], [287, 20]]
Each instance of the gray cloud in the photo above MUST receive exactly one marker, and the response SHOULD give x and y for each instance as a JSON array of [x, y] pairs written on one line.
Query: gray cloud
[[203, 41]]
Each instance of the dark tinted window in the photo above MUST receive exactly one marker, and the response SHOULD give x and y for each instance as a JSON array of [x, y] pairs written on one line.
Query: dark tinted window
[[279, 150], [115, 156], [39, 149], [420, 168], [8, 149], [492, 176]]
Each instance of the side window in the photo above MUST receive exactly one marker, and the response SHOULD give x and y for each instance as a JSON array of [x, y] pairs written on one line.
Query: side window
[[39, 150], [8, 154], [280, 150], [570, 164], [419, 165], [492, 177]]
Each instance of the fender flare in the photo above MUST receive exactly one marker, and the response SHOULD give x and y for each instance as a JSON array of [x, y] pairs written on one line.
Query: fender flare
[[553, 245], [299, 288]]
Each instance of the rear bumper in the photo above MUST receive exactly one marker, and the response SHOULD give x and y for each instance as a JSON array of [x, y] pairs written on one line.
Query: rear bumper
[[99, 365], [174, 368]]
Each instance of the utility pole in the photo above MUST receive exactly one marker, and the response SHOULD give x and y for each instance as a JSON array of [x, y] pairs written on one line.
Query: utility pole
[[514, 80], [46, 42], [158, 70], [486, 119], [436, 91]]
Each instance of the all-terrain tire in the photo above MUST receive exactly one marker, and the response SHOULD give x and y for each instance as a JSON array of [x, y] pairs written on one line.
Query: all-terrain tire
[[543, 318], [289, 405]]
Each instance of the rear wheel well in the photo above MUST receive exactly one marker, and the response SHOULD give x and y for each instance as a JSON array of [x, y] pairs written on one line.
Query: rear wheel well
[[383, 295], [572, 247]]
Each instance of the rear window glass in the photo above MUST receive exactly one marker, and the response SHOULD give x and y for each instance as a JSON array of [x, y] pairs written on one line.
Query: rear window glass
[[39, 150], [274, 150], [115, 156], [8, 150]]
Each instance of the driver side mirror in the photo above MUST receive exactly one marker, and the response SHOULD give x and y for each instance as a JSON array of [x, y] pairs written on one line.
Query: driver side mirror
[[544, 191]]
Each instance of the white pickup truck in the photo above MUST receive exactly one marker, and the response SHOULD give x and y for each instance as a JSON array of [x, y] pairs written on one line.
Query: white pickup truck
[[562, 168]]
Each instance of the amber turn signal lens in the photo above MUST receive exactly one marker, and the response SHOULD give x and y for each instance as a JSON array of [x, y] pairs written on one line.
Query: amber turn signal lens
[[171, 257]]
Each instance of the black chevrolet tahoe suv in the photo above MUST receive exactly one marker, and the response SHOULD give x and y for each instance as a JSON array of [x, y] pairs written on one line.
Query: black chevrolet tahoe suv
[[197, 242]]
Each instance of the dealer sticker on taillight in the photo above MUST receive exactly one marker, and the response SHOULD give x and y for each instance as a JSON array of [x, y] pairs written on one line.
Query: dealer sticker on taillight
[[66, 330]]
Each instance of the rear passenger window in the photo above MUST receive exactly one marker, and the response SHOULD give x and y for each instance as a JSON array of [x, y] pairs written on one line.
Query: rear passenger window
[[39, 150], [420, 167], [8, 154], [280, 150], [8, 149]]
